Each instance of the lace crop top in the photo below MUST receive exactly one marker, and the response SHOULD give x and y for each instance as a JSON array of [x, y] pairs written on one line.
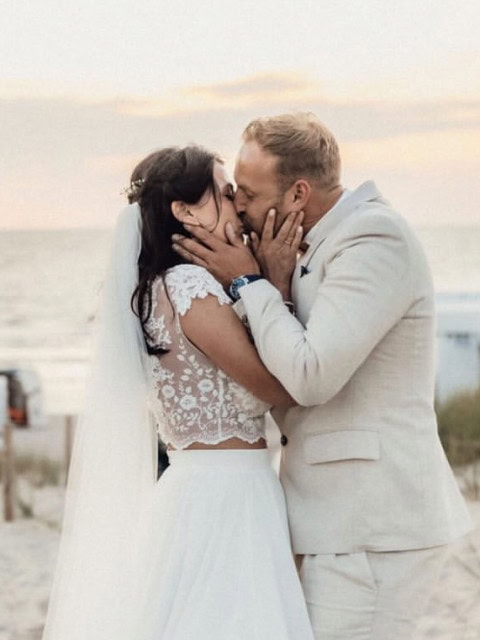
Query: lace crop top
[[192, 399]]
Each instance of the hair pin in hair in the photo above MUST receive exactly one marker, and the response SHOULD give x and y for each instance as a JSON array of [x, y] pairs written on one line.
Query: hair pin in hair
[[133, 188]]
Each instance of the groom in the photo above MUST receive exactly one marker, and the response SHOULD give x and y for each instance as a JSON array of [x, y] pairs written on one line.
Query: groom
[[371, 499]]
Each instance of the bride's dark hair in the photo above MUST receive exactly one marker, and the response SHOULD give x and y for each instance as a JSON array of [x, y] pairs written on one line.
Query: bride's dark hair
[[164, 176]]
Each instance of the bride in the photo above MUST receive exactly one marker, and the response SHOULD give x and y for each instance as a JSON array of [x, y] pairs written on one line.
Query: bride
[[204, 551]]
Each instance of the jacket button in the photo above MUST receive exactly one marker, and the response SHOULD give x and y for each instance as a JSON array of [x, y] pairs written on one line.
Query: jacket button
[[283, 440]]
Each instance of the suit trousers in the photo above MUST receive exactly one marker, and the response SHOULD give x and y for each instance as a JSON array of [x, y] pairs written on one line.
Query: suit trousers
[[369, 595]]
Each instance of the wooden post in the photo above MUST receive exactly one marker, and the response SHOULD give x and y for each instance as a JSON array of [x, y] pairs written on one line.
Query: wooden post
[[8, 473], [453, 449], [68, 443]]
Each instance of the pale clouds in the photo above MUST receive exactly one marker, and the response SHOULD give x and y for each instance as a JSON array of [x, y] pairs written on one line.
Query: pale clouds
[[64, 161], [268, 87], [253, 91], [257, 87], [444, 149]]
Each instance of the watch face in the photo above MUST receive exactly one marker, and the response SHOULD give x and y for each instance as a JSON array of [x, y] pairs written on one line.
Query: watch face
[[235, 286], [233, 289], [239, 282]]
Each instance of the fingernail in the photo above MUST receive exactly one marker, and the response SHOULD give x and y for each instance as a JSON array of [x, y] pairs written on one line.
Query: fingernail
[[175, 236], [271, 212]]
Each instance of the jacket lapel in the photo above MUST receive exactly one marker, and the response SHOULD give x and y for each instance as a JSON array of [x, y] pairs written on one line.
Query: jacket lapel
[[366, 192]]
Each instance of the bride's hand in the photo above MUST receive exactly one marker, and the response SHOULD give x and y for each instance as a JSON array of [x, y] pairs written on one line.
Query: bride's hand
[[224, 260], [277, 254]]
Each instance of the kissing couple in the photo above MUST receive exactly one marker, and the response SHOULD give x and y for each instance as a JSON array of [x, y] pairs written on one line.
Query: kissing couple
[[281, 292]]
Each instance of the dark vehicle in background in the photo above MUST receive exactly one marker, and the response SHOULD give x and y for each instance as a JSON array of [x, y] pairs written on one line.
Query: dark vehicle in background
[[24, 397]]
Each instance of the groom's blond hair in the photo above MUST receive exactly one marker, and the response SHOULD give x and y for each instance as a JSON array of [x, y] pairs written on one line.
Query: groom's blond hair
[[305, 148]]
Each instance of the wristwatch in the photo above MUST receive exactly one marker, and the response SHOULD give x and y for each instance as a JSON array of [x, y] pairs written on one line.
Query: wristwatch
[[239, 282]]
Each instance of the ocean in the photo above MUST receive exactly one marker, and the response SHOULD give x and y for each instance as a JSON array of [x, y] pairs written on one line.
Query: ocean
[[50, 281]]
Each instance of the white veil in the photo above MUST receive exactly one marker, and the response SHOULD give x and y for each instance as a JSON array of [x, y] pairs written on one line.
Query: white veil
[[113, 468]]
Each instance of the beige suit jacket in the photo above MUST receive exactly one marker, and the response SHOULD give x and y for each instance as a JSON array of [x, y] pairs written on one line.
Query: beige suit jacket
[[362, 465]]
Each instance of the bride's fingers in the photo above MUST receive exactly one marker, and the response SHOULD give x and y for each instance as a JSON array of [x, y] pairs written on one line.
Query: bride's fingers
[[189, 248], [255, 241], [292, 232], [269, 226], [206, 237], [297, 240], [286, 232]]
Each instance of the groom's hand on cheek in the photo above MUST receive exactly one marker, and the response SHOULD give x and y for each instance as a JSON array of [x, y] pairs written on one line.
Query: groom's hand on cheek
[[277, 252], [225, 261]]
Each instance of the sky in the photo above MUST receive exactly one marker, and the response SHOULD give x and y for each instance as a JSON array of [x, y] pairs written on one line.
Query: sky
[[88, 89]]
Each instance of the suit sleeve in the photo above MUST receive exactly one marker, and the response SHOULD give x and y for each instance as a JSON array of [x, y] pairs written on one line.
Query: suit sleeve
[[367, 288]]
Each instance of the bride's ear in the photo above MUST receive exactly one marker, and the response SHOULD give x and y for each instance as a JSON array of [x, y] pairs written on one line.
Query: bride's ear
[[182, 213]]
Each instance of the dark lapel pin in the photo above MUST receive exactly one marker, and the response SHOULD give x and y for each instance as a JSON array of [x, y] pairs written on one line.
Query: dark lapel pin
[[303, 271]]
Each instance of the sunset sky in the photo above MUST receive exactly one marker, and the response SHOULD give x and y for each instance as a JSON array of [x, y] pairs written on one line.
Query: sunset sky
[[88, 88]]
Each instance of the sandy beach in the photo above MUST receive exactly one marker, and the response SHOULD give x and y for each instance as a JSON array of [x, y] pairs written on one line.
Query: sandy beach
[[454, 609], [28, 548]]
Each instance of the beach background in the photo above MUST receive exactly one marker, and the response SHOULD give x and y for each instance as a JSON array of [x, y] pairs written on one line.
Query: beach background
[[50, 282], [88, 89]]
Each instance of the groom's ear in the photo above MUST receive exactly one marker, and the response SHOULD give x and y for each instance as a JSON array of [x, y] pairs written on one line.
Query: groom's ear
[[299, 195]]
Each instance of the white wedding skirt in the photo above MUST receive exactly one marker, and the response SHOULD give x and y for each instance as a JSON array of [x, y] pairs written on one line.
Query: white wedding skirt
[[215, 557]]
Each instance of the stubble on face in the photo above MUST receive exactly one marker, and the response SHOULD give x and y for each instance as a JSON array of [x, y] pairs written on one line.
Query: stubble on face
[[258, 188]]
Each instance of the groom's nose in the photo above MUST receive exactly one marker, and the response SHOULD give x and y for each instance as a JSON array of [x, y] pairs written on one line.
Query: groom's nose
[[239, 202]]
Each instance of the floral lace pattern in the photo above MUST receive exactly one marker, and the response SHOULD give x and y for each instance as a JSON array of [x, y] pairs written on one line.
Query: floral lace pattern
[[193, 400], [188, 281]]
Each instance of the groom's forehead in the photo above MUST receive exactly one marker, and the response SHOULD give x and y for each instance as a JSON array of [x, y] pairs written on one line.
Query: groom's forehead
[[251, 151], [254, 164]]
